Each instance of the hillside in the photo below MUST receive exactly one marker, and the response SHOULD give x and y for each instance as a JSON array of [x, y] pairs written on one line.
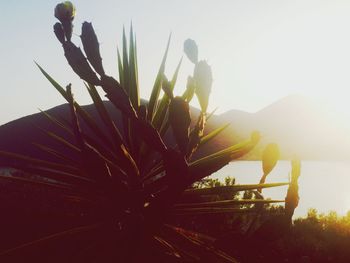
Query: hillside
[[300, 127], [294, 122]]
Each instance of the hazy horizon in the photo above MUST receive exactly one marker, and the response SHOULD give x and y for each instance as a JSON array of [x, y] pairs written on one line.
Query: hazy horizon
[[195, 106]]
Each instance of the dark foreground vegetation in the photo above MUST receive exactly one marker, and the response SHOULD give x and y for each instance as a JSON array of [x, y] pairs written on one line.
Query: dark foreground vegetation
[[316, 238], [313, 238], [36, 211], [126, 193]]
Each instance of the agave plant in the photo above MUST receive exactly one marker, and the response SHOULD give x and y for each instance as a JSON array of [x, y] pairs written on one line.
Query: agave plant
[[137, 179]]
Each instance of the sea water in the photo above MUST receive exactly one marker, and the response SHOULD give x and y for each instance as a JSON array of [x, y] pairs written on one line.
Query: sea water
[[322, 185]]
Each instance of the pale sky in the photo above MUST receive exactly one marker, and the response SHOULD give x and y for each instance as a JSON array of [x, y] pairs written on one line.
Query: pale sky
[[260, 51]]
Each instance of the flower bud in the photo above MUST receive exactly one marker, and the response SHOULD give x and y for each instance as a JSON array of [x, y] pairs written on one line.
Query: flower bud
[[91, 47], [292, 198], [191, 50], [117, 95], [204, 79], [270, 157], [65, 11], [58, 30], [79, 64]]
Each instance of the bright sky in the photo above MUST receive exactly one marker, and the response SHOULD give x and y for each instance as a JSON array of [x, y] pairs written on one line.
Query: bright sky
[[260, 51]]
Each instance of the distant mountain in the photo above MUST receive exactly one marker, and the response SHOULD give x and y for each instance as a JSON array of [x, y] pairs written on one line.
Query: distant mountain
[[295, 123], [299, 125], [19, 135]]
